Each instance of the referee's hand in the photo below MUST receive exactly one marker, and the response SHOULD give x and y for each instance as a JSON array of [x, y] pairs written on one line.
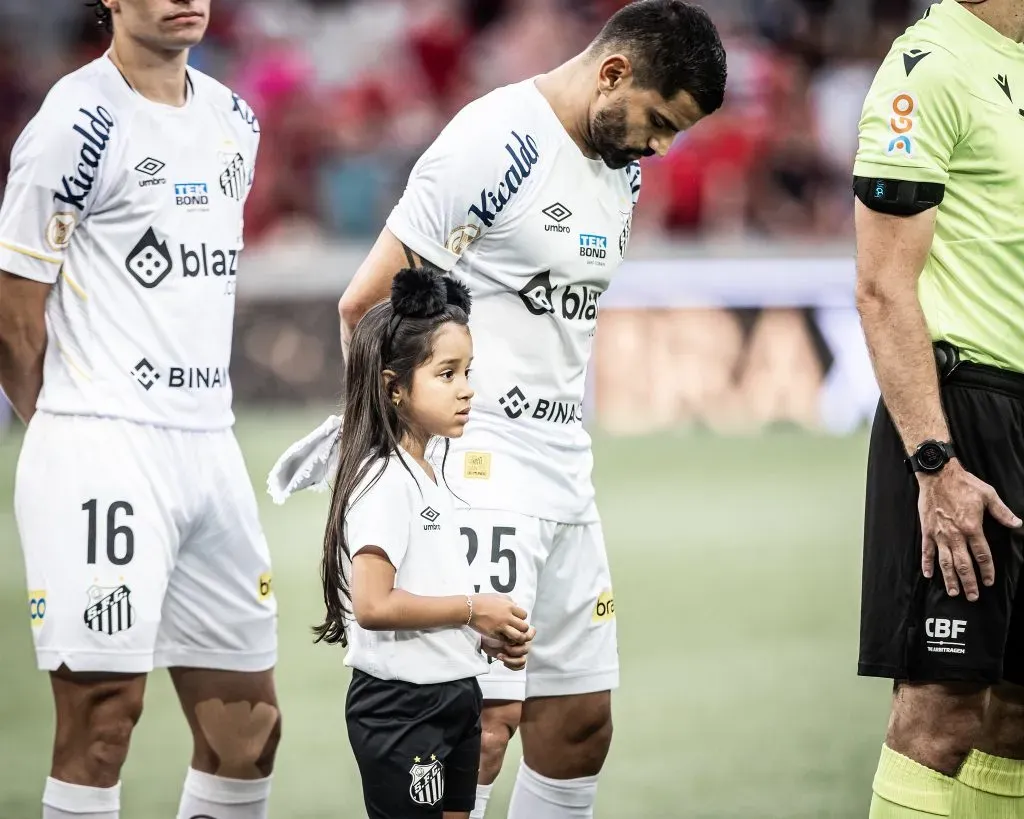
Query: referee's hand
[[952, 505]]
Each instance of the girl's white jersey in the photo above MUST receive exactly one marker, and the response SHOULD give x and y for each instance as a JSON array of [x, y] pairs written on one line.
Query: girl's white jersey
[[409, 517], [507, 201], [133, 211]]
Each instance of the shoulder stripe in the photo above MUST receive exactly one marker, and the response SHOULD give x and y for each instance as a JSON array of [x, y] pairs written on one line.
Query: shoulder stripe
[[24, 251]]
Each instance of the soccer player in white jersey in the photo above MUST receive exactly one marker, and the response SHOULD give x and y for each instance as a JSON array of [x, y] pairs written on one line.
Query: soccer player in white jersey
[[120, 233], [527, 197]]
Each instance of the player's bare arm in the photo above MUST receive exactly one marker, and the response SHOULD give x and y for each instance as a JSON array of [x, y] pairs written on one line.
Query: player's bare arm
[[22, 341], [891, 253], [372, 281]]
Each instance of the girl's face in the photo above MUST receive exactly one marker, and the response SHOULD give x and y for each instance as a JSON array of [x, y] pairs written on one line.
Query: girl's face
[[438, 401]]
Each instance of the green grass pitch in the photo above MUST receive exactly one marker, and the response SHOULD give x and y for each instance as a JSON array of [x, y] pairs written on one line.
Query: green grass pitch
[[737, 570]]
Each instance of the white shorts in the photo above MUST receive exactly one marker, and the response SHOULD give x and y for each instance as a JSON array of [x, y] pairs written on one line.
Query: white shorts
[[143, 548], [559, 573]]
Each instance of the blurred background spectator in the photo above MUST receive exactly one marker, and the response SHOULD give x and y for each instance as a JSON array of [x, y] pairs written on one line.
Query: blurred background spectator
[[349, 92]]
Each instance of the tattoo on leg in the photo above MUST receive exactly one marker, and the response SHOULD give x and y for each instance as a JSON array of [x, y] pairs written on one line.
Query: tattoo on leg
[[238, 733]]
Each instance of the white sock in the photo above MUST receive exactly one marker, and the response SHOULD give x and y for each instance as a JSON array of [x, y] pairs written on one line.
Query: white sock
[[537, 797], [209, 795], [483, 793], [62, 800]]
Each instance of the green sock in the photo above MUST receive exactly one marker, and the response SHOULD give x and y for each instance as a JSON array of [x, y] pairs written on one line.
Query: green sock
[[989, 787], [904, 789]]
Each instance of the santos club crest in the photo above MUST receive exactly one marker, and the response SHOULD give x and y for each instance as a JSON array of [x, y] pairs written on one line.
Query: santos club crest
[[427, 785]]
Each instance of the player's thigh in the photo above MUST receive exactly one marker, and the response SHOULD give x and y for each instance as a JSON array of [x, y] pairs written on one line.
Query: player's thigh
[[404, 738], [98, 531], [911, 629], [220, 611], [576, 648], [506, 553]]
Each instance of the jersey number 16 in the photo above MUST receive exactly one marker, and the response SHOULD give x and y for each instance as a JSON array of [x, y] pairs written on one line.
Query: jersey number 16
[[115, 533]]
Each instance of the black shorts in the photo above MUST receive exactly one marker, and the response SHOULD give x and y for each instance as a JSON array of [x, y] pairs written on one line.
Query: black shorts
[[417, 746], [910, 628]]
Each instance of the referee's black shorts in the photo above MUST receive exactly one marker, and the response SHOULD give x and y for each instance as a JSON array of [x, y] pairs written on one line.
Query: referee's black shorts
[[417, 746], [910, 628]]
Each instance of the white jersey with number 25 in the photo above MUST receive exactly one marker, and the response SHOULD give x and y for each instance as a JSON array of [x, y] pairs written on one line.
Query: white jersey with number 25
[[507, 201]]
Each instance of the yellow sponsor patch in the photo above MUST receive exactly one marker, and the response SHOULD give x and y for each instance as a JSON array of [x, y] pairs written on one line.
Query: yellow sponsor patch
[[266, 585], [478, 466], [605, 608], [37, 607]]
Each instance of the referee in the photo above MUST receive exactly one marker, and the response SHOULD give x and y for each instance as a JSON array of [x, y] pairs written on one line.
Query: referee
[[939, 181]]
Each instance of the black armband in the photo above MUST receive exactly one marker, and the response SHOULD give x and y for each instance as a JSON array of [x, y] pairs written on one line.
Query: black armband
[[897, 197]]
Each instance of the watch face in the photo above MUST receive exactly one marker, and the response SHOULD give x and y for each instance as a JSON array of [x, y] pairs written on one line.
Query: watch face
[[931, 457]]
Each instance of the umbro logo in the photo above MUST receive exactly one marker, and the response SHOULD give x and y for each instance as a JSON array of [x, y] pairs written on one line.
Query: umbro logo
[[558, 212], [431, 515], [150, 166], [912, 58]]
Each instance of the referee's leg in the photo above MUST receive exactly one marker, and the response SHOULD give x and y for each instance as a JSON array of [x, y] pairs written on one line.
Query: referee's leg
[[944, 653]]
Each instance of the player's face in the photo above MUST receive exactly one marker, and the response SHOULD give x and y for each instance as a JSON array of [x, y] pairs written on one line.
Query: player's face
[[628, 122], [440, 395], [168, 25]]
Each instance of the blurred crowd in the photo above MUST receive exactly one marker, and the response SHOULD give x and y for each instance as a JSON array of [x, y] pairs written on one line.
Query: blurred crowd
[[349, 92]]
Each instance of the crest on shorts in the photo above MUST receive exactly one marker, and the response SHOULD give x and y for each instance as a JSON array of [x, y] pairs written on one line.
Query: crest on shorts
[[110, 609], [427, 785]]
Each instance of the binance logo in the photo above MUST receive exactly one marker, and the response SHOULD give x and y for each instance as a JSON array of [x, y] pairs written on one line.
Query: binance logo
[[266, 585], [605, 608]]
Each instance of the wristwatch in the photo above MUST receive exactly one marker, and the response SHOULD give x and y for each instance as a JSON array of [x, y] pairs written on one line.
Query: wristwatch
[[930, 456]]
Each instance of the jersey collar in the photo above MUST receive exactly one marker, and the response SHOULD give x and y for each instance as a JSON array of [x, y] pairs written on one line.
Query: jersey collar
[[978, 29]]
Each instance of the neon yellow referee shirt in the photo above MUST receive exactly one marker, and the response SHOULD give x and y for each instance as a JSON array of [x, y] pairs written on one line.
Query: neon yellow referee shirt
[[947, 106]]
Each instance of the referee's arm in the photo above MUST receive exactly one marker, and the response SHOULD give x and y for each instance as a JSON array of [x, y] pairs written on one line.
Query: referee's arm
[[891, 252]]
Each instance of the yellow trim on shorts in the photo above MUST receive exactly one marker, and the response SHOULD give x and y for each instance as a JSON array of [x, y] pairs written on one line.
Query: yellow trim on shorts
[[25, 252]]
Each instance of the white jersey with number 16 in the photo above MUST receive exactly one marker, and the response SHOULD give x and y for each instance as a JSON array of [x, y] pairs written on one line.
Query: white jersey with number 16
[[133, 210]]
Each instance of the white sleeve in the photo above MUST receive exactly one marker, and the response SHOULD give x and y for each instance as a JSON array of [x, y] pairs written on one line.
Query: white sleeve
[[462, 185], [55, 173], [380, 516]]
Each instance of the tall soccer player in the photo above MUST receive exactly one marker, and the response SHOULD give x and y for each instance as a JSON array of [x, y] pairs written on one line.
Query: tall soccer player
[[120, 234], [940, 255], [527, 196]]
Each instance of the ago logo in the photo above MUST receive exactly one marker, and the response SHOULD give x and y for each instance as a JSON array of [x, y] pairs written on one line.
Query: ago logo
[[901, 124]]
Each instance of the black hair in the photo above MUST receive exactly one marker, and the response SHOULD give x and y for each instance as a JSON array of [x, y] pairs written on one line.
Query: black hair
[[395, 335], [673, 46], [103, 15]]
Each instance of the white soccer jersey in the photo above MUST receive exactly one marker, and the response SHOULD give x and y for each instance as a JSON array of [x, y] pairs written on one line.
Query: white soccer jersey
[[412, 520], [133, 210], [507, 201]]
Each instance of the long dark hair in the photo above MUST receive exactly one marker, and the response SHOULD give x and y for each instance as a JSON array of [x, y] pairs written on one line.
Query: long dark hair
[[395, 335]]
